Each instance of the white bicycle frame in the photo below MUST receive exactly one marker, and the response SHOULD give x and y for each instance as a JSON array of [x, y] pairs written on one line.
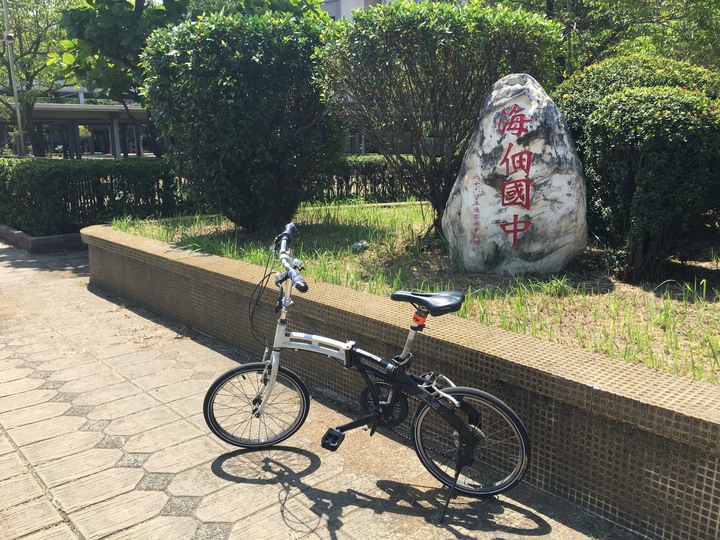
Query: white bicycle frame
[[300, 341], [296, 341]]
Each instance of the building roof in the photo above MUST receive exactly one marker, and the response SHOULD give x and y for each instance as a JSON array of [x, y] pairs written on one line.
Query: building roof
[[86, 112]]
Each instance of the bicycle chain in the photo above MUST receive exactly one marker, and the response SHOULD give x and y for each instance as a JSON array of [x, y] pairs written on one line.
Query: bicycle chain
[[405, 433]]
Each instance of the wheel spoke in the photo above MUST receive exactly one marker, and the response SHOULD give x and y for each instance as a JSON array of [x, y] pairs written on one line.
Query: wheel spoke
[[499, 450], [230, 406]]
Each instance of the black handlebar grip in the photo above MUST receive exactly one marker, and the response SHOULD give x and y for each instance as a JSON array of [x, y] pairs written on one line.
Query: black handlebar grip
[[297, 280], [290, 229]]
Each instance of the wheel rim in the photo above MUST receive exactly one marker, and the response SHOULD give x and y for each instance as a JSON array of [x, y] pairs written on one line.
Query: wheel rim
[[234, 407], [498, 456]]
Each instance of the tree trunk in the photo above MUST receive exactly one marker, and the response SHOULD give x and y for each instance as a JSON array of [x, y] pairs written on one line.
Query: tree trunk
[[34, 132]]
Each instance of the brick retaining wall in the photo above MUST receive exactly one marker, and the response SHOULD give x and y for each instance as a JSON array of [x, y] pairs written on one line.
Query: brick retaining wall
[[40, 244], [637, 447]]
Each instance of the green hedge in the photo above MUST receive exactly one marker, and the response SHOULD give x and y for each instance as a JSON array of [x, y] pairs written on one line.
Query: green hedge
[[351, 177], [45, 197], [653, 159]]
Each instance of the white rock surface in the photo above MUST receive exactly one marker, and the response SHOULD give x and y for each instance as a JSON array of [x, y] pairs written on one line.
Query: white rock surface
[[518, 204]]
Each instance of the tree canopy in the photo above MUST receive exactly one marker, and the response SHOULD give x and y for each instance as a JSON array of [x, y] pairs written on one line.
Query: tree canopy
[[38, 34], [597, 29], [411, 77], [105, 39]]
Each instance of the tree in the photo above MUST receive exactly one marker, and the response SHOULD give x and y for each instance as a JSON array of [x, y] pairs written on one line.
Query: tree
[[235, 100], [37, 34], [105, 39], [420, 71], [597, 29], [693, 38], [254, 7]]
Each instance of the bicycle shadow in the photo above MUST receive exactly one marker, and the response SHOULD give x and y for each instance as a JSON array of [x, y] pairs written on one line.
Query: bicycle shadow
[[288, 468]]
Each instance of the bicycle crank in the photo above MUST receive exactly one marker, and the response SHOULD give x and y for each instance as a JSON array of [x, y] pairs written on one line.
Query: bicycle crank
[[392, 418]]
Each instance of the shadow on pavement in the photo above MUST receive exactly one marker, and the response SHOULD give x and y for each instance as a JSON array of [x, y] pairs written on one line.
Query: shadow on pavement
[[73, 263], [291, 469]]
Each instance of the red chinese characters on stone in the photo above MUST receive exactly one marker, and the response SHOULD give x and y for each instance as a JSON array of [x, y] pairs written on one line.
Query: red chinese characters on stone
[[516, 192], [515, 227], [519, 161], [476, 211], [513, 121]]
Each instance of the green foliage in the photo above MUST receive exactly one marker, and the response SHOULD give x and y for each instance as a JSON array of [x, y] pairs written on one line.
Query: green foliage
[[581, 94], [357, 177], [105, 38], [653, 159], [610, 192], [419, 72], [687, 31], [44, 197], [598, 29], [256, 7], [234, 98], [34, 25]]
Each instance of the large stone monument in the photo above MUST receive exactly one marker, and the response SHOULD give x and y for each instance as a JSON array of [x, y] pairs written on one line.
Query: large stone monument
[[518, 204]]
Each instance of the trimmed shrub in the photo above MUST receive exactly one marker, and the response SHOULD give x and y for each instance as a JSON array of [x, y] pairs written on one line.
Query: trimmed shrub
[[234, 99], [581, 94], [653, 160], [351, 177], [586, 95], [44, 197]]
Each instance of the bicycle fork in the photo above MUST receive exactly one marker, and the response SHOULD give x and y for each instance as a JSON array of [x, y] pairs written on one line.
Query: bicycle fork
[[268, 382]]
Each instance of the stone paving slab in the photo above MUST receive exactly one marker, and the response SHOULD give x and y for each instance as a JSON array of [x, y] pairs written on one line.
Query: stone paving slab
[[11, 465], [59, 447], [28, 517], [99, 487], [102, 436], [18, 489]]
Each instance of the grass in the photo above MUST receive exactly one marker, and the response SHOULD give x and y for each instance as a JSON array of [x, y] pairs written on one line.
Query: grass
[[673, 326]]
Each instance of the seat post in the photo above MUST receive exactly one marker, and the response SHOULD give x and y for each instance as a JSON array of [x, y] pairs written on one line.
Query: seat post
[[417, 325]]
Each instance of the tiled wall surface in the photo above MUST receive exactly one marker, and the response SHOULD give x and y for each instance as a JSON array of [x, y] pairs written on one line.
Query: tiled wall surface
[[638, 447]]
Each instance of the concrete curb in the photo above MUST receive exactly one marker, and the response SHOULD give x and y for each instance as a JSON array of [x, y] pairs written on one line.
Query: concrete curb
[[40, 244]]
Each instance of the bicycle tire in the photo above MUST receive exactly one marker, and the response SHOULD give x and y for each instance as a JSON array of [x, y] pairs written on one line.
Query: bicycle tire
[[500, 456], [229, 403]]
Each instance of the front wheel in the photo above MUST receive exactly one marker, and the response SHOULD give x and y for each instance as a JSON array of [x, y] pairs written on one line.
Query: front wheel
[[231, 402], [496, 457]]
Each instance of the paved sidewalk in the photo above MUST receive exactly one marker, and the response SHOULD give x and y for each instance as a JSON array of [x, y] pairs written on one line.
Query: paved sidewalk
[[102, 436]]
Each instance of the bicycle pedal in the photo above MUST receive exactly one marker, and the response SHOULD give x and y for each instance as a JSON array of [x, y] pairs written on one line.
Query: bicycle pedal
[[332, 439]]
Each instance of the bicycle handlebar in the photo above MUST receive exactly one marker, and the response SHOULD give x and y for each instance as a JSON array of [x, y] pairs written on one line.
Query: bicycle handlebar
[[281, 241]]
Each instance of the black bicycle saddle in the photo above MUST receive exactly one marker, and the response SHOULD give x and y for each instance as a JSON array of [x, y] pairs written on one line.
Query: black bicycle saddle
[[437, 303]]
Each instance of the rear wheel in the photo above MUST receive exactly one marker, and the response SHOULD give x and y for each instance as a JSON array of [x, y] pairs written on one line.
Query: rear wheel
[[497, 456], [231, 403]]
